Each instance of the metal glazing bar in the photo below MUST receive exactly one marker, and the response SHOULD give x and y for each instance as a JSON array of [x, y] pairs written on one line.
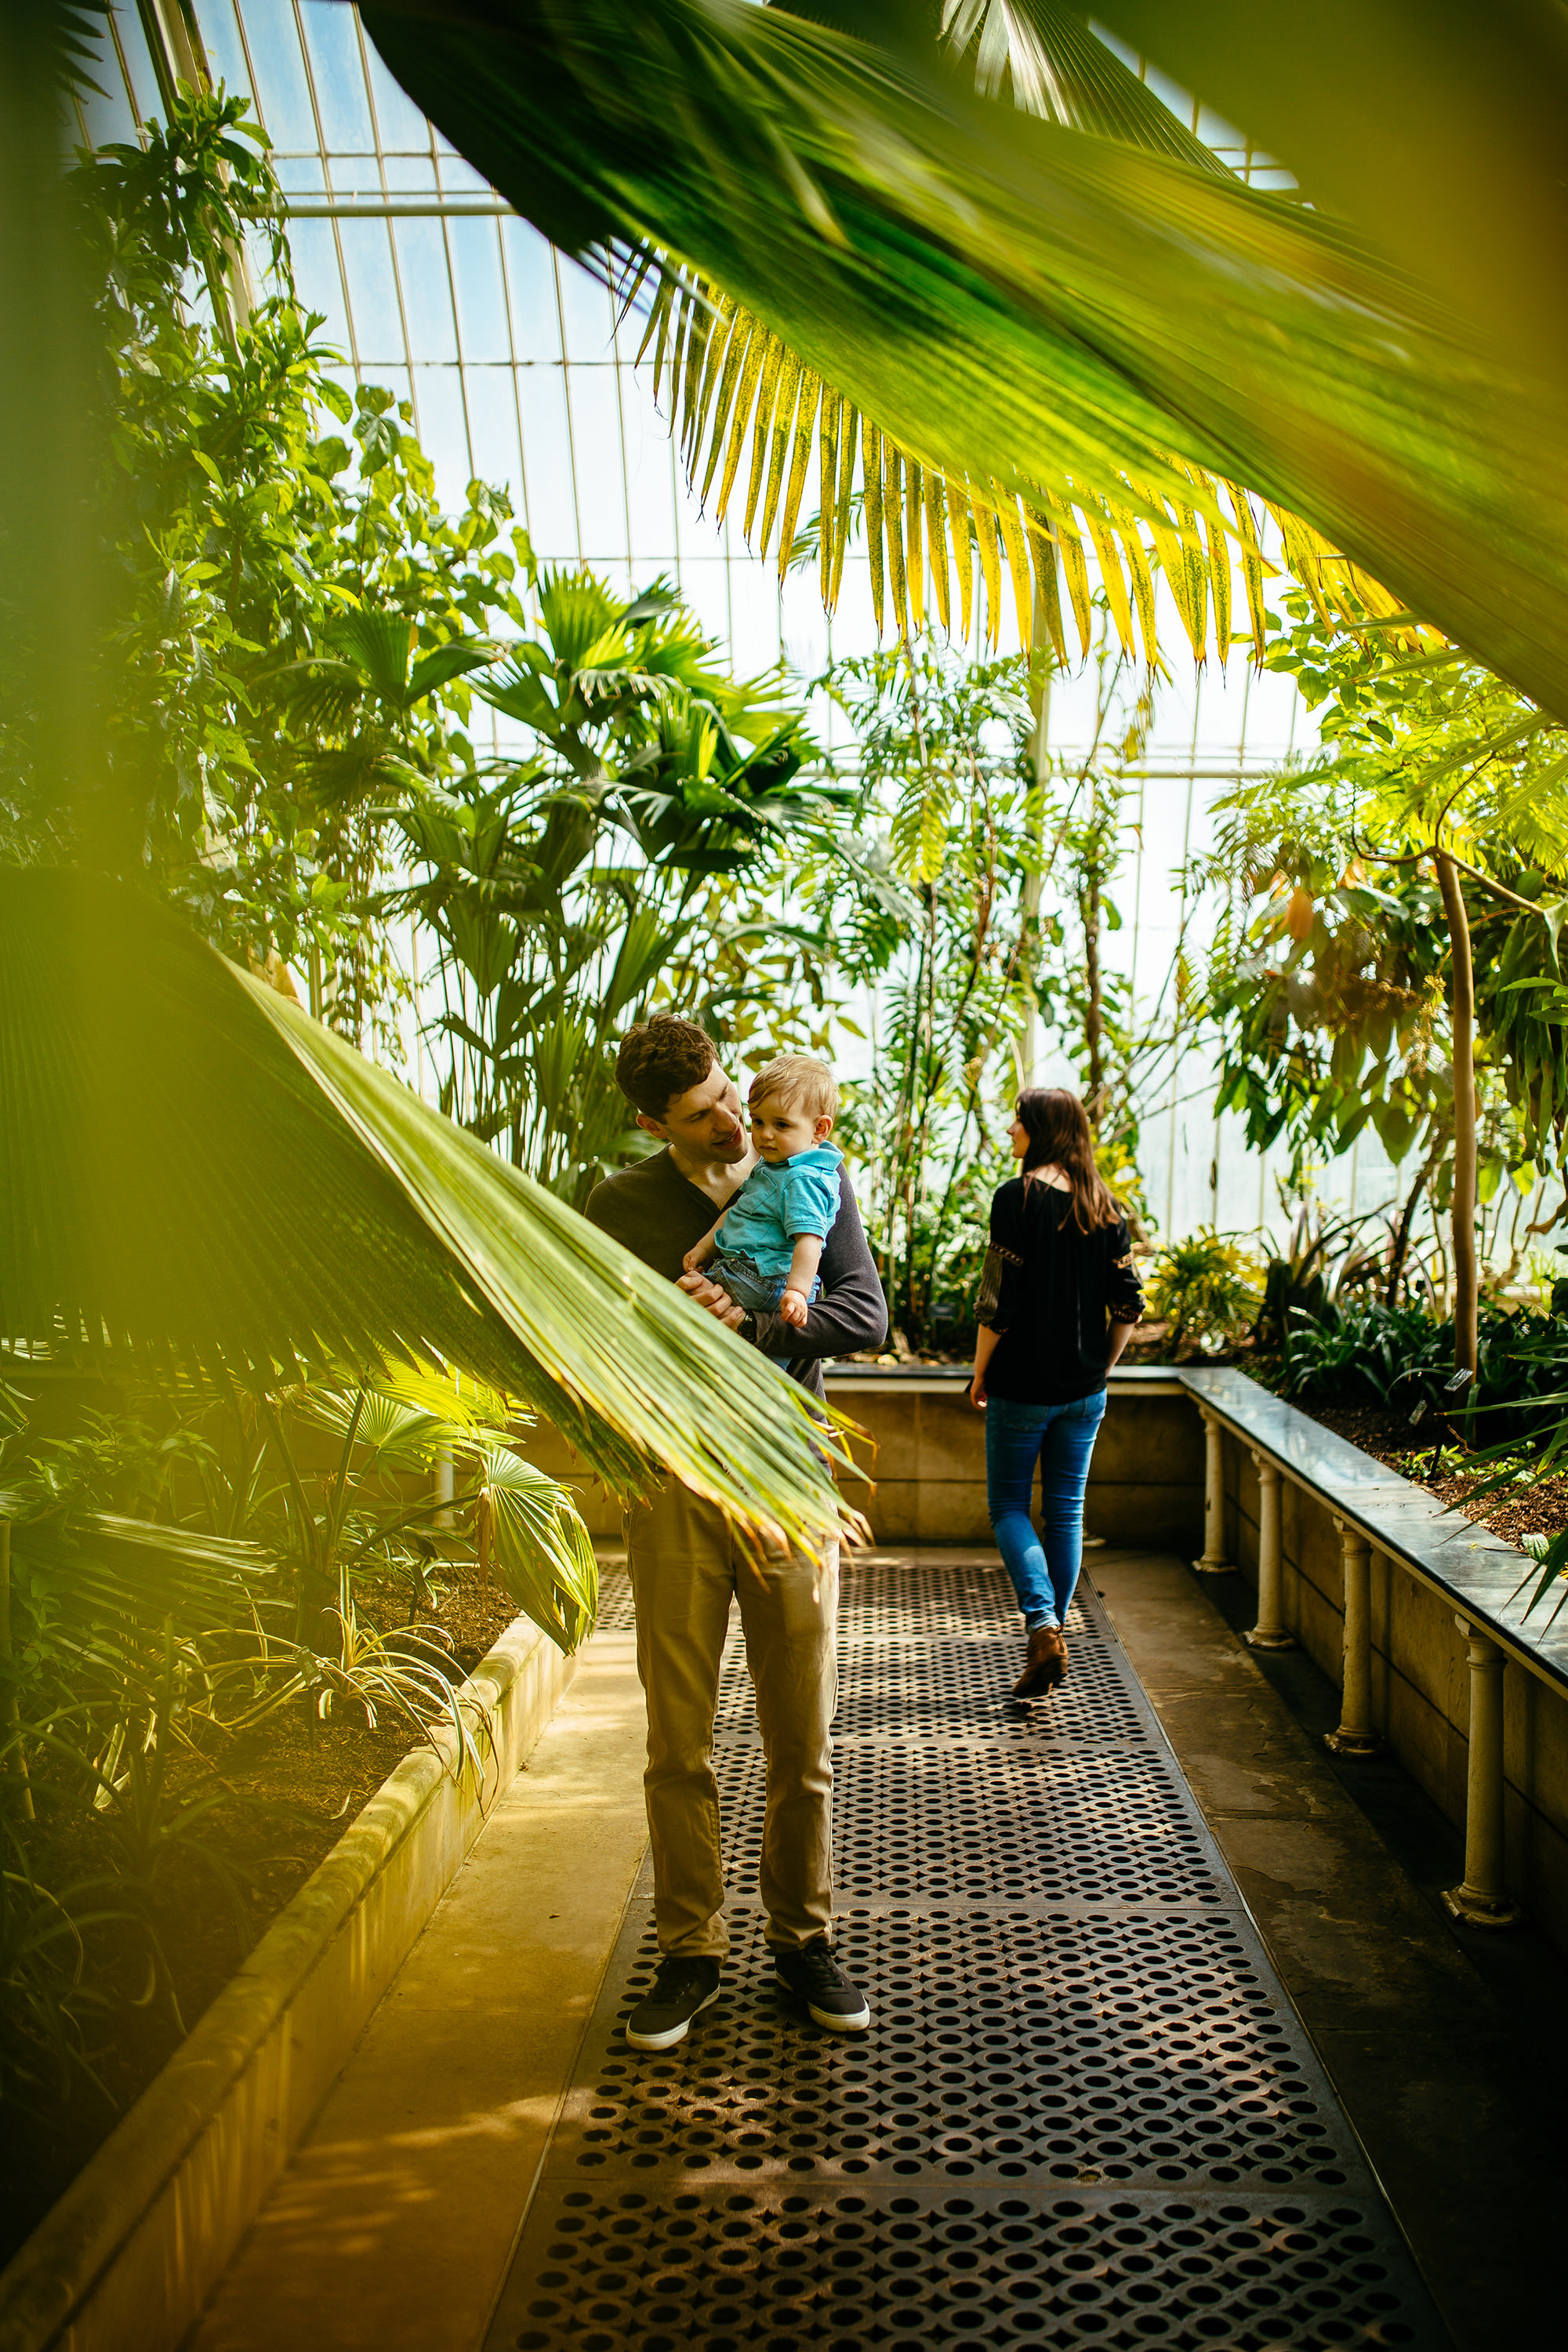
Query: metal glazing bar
[[351, 205]]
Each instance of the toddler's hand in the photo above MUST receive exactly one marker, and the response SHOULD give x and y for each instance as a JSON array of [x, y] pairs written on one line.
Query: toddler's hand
[[792, 1306], [696, 1256]]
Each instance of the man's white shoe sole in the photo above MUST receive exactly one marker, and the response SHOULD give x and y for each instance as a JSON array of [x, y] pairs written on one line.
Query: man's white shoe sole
[[834, 2019], [677, 2032]]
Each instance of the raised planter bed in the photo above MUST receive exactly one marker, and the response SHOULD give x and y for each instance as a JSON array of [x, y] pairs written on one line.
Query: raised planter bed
[[126, 2259]]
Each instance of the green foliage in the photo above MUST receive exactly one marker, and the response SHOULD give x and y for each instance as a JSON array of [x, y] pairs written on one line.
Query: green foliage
[[140, 1649], [1208, 1289], [272, 1197], [1329, 974], [936, 903], [633, 859], [289, 617]]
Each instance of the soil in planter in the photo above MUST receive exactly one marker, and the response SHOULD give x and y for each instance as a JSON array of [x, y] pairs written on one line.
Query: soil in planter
[[1533, 1507], [290, 1789]]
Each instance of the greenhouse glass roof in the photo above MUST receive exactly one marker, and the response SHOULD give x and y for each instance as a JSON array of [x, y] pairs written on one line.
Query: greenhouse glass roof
[[518, 373]]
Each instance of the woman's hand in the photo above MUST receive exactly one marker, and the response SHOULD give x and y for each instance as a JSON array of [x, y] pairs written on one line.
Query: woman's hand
[[977, 1393]]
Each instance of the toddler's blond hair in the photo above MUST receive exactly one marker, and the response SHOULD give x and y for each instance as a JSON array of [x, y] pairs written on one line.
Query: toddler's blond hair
[[799, 1083]]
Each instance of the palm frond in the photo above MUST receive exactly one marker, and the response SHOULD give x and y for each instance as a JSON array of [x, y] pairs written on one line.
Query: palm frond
[[189, 1164], [1013, 302], [531, 1533]]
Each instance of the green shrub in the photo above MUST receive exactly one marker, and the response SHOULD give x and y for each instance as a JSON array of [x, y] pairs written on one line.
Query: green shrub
[[1208, 1289]]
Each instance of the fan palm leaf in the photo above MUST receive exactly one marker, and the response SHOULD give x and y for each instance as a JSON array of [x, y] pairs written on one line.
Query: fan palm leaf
[[1019, 302], [189, 1164]]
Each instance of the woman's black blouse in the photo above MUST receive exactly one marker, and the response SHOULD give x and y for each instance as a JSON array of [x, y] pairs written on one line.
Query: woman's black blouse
[[1052, 1291]]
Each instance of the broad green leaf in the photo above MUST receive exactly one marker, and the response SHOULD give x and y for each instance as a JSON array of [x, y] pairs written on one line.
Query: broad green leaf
[[189, 1165]]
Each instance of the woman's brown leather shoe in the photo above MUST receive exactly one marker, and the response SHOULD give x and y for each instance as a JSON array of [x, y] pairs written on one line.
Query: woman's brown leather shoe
[[1046, 1663]]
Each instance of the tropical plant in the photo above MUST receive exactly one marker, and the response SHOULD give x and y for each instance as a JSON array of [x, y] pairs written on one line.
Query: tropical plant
[[281, 617], [634, 856], [1078, 314], [1323, 1260], [1351, 994], [1207, 1289], [938, 903]]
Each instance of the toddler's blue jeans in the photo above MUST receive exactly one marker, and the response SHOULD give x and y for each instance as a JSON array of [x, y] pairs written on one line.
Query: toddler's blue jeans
[[1060, 1438]]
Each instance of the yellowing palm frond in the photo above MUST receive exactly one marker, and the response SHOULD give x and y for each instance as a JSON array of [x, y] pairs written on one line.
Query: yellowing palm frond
[[1016, 302]]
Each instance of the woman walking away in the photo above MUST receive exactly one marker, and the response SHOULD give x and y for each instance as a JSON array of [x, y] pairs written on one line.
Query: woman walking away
[[1058, 1300]]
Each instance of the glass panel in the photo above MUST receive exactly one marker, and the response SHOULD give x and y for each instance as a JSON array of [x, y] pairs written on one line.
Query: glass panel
[[755, 608], [225, 49], [397, 381], [341, 100], [320, 280], [282, 92], [404, 130], [460, 177], [355, 175], [482, 323], [138, 58], [411, 175], [531, 282], [108, 120], [300, 175], [422, 263], [443, 433], [596, 451], [586, 314], [547, 464], [372, 291], [650, 480], [492, 428], [705, 584]]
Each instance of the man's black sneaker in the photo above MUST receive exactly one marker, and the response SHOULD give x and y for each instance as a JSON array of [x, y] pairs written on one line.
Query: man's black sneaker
[[814, 1973], [684, 1985]]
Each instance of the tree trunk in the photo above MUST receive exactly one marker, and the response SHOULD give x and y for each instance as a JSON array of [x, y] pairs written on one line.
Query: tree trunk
[[1466, 1295]]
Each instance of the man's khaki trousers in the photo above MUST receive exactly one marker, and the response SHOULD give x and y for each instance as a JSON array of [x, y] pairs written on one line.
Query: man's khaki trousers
[[686, 1566]]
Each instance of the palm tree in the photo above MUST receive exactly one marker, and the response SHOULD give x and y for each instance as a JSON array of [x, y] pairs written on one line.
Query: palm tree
[[192, 1169], [1066, 320]]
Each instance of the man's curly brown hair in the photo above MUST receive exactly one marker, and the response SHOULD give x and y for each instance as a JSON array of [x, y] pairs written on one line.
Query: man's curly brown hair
[[662, 1058]]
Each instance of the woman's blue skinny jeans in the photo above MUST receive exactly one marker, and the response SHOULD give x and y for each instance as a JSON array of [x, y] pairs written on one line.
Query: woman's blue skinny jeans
[[1060, 1438]]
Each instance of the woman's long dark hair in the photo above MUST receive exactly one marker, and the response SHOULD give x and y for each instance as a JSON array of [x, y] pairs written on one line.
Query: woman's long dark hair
[[1060, 1136]]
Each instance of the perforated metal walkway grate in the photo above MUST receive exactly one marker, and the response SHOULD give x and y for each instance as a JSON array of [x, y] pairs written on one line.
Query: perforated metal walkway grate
[[1086, 2113]]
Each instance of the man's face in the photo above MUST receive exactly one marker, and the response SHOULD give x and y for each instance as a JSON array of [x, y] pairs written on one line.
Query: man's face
[[704, 1122]]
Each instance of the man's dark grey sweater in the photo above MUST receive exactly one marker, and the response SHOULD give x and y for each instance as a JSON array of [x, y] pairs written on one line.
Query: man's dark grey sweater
[[656, 1213]]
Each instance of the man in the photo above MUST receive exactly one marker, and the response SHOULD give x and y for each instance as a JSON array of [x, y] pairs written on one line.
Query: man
[[686, 1566]]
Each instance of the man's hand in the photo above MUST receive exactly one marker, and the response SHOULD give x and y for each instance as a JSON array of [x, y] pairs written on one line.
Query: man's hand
[[717, 1302], [792, 1306]]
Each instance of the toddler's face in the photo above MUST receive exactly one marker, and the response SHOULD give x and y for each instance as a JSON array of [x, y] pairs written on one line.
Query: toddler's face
[[780, 1129]]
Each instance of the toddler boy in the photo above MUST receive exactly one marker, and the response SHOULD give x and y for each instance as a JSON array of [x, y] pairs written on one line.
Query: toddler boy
[[766, 1247]]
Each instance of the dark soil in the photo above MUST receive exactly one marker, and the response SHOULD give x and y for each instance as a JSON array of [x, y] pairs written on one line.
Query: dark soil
[[1529, 1506], [288, 1790]]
